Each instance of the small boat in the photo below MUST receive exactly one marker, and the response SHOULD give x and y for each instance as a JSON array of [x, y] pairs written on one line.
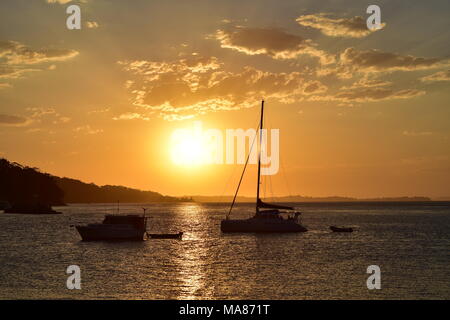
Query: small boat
[[37, 209], [115, 228], [178, 235], [264, 221], [340, 229]]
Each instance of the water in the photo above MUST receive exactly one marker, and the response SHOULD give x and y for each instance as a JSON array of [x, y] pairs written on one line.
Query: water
[[410, 243]]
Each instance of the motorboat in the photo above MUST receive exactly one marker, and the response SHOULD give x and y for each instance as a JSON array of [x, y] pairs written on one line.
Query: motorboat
[[115, 228]]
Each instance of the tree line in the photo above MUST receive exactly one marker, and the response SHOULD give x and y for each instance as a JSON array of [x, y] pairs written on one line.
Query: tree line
[[22, 185]]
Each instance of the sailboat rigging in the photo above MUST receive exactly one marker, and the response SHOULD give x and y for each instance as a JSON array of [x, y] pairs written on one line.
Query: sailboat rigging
[[264, 220]]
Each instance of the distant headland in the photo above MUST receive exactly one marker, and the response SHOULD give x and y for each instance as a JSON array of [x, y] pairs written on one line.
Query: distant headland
[[23, 186], [26, 187], [299, 198]]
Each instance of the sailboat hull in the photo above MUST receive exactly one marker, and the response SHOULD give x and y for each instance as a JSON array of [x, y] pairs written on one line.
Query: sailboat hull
[[257, 225], [109, 233]]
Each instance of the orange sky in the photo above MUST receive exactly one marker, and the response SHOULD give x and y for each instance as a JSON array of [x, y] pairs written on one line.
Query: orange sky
[[360, 113]]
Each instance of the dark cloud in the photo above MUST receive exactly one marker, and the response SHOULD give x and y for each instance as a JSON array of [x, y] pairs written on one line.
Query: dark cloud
[[13, 72], [275, 43], [12, 120], [378, 61], [354, 27], [15, 53], [370, 95], [368, 83], [314, 87], [187, 87], [438, 76]]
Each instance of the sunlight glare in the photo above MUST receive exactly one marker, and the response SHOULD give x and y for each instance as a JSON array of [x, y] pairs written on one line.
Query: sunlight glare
[[189, 148]]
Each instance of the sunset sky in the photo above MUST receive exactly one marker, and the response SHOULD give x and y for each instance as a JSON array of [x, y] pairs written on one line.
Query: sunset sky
[[361, 113]]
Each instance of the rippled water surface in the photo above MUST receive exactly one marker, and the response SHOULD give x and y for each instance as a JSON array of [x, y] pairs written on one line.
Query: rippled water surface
[[410, 243]]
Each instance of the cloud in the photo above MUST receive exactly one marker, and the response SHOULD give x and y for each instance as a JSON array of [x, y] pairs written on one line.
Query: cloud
[[370, 95], [131, 116], [377, 61], [367, 83], [86, 129], [352, 62], [269, 41], [16, 58], [64, 1], [197, 85], [92, 24], [15, 53], [5, 85], [59, 1], [13, 72], [314, 87], [355, 27], [35, 117], [376, 94], [154, 69], [99, 111], [338, 71], [12, 120], [438, 76], [417, 133], [46, 116]]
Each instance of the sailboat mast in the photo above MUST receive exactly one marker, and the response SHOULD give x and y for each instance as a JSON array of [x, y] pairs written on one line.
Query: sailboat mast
[[259, 156]]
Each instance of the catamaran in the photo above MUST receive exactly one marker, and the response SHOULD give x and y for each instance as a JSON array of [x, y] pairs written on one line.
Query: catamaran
[[268, 217]]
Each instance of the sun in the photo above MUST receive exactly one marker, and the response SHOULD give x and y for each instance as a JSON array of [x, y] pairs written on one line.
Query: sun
[[188, 149]]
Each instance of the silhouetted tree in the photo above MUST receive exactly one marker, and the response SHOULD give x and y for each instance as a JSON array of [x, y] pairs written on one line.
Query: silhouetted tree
[[25, 185]]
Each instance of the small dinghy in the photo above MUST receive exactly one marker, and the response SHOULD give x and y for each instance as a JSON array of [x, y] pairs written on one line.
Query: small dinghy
[[178, 235], [340, 229]]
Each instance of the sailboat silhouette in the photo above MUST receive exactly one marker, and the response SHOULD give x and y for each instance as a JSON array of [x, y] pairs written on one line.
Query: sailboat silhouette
[[270, 220]]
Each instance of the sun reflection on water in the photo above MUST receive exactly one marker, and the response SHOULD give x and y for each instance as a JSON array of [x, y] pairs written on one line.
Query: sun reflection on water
[[191, 255]]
